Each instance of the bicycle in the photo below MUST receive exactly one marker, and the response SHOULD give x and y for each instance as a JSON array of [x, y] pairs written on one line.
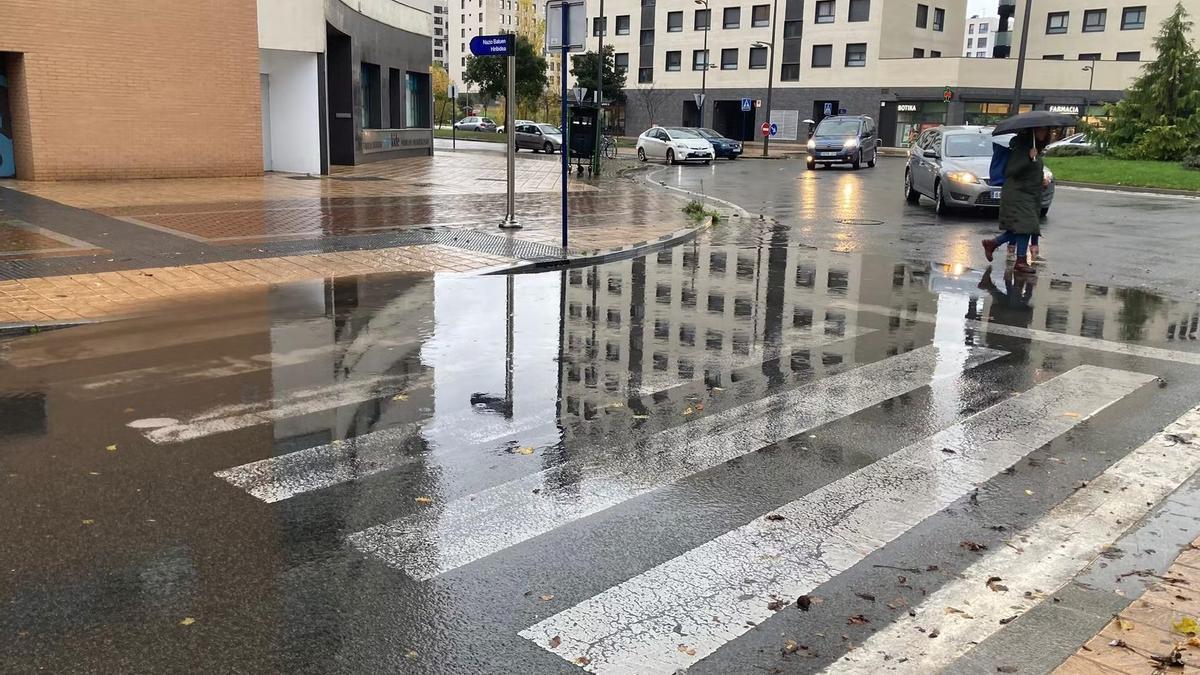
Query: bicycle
[[608, 147]]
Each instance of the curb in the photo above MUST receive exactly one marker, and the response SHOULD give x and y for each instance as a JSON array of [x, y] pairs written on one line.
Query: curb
[[1132, 189], [602, 256], [10, 330]]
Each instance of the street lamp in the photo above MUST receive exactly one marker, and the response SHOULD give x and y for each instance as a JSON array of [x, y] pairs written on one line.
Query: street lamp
[[704, 73], [1015, 108], [770, 77], [1091, 81]]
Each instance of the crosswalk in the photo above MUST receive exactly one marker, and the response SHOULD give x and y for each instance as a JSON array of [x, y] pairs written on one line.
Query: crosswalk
[[676, 613]]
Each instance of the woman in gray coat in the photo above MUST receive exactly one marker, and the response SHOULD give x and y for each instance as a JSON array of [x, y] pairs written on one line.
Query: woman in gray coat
[[1021, 198]]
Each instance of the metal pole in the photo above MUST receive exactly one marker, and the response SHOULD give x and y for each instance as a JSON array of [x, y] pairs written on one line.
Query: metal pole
[[510, 129], [599, 87], [566, 146], [704, 73], [770, 74], [1016, 97]]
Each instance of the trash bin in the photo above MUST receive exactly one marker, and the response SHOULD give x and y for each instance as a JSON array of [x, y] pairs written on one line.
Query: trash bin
[[583, 135]]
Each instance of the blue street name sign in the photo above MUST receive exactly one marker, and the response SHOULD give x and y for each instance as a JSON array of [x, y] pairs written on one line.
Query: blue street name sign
[[493, 45], [747, 104]]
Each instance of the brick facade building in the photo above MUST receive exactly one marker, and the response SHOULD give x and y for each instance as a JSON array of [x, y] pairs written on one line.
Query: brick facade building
[[131, 89]]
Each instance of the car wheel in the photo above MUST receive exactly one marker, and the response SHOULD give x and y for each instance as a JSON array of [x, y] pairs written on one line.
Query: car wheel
[[641, 155], [548, 148], [857, 163], [812, 166], [707, 162], [910, 194], [670, 156], [1044, 211], [874, 156], [940, 206]]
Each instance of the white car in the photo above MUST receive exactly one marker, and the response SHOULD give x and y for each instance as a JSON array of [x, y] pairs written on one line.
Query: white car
[[1076, 140], [674, 144], [500, 129]]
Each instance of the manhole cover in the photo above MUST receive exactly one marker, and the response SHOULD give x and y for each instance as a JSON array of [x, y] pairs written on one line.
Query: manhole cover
[[859, 221]]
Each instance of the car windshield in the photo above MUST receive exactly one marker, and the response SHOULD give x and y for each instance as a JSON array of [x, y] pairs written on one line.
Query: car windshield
[[969, 145], [487, 120], [682, 133], [709, 133], [547, 129], [838, 128]]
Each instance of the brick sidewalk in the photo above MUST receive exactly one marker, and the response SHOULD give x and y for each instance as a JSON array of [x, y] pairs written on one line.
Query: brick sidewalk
[[1146, 637]]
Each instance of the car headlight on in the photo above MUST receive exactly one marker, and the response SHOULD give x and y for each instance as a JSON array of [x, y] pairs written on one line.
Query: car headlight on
[[963, 177], [850, 144], [812, 145]]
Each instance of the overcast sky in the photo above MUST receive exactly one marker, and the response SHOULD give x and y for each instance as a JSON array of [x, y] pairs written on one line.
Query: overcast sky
[[981, 7]]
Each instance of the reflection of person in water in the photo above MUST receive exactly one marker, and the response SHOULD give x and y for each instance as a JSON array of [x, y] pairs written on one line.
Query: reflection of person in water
[[1011, 306]]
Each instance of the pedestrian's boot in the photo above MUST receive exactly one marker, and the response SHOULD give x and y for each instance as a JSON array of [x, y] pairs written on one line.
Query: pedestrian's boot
[[1035, 256], [1012, 250], [1022, 266], [989, 249]]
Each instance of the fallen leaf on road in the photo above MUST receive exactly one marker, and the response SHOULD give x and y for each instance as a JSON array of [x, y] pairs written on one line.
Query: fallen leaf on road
[[423, 500], [775, 516], [616, 404], [525, 451], [410, 655], [952, 610], [866, 596], [934, 633], [688, 411], [88, 521], [972, 546], [582, 661], [948, 451], [775, 605], [641, 417], [699, 406], [994, 584], [400, 397], [1193, 642], [555, 642], [111, 448], [857, 620], [1029, 493], [790, 647], [129, 410], [187, 621], [1006, 669], [804, 602], [1071, 414], [1125, 624], [1186, 626], [1008, 619], [546, 598], [931, 568], [684, 649]]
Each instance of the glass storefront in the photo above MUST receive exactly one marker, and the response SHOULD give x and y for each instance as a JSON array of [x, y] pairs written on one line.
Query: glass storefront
[[987, 114], [913, 117]]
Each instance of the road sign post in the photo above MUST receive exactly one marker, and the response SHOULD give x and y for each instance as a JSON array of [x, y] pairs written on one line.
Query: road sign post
[[566, 26], [453, 92], [506, 46]]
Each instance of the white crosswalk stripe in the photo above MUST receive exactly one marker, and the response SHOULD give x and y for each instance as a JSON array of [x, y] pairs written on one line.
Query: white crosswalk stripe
[[438, 540], [1052, 551], [717, 591]]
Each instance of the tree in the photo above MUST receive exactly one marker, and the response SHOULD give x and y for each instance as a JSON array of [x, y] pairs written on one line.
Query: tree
[[583, 69], [1160, 116], [490, 73], [650, 99], [439, 79]]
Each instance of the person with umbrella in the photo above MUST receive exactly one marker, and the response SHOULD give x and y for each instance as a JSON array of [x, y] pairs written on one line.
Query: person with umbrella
[[1024, 180]]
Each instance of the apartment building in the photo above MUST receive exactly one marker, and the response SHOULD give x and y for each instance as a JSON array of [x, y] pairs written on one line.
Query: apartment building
[[488, 17], [441, 34], [980, 37]]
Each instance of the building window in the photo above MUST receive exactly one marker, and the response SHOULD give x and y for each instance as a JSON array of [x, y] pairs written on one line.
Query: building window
[[1133, 18], [825, 11], [729, 59], [856, 55], [699, 59], [674, 61], [983, 29], [623, 24], [971, 29], [935, 54], [1129, 56], [732, 17], [860, 10], [674, 22], [981, 54], [922, 16], [464, 34], [372, 97], [793, 29], [982, 43], [702, 20], [1089, 57], [417, 102], [789, 72], [918, 53], [599, 26], [1094, 19], [822, 56], [758, 58], [645, 75], [621, 61], [647, 37], [1056, 23], [1053, 57], [939, 19], [970, 42], [760, 16]]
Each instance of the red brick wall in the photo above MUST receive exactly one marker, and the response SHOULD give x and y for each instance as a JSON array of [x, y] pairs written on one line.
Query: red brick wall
[[133, 89]]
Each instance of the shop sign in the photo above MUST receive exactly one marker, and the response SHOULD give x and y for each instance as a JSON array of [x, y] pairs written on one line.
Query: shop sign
[[385, 140], [906, 107], [1068, 109]]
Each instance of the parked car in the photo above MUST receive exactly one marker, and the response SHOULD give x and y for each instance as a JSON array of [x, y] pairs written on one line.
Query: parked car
[[722, 146], [1077, 140], [500, 129], [539, 137], [674, 144], [475, 123], [844, 139], [951, 164]]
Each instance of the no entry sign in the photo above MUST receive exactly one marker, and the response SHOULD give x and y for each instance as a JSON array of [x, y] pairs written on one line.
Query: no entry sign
[[765, 128]]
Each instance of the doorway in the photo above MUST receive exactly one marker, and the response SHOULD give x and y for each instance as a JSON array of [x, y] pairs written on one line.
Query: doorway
[[264, 87], [339, 96], [8, 164], [731, 122]]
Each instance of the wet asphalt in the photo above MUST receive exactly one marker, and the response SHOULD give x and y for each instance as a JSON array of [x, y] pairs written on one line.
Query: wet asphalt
[[125, 553]]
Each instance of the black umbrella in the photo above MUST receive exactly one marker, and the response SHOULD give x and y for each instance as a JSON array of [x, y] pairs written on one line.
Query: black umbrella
[[1032, 120]]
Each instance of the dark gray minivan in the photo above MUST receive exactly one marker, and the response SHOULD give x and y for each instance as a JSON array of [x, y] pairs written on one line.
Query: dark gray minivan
[[844, 139]]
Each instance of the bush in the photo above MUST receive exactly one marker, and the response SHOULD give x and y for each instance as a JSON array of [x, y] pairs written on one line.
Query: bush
[[1192, 162], [1072, 151]]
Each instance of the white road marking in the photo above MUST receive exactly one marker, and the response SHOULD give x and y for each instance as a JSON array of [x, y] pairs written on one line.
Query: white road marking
[[710, 594], [293, 404], [434, 541], [1055, 549], [277, 478]]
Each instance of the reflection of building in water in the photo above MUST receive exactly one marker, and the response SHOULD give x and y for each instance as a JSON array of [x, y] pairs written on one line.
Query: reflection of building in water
[[724, 314]]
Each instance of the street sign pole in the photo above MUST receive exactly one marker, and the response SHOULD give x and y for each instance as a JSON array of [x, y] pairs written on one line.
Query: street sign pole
[[566, 129], [599, 88], [510, 129], [453, 113]]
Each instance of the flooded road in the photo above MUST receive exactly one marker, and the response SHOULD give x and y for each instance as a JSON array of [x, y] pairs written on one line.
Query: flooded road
[[570, 469]]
